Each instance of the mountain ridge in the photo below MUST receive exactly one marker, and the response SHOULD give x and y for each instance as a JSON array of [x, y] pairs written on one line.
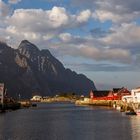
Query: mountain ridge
[[29, 71]]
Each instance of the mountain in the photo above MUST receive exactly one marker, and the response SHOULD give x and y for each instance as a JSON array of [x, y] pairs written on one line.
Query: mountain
[[28, 71]]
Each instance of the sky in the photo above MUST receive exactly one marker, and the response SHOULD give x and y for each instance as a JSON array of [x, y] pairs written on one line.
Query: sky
[[98, 38]]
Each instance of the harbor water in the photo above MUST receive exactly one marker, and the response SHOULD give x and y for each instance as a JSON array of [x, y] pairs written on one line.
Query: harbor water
[[64, 121]]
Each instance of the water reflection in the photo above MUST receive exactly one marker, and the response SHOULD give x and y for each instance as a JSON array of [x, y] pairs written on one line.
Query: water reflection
[[135, 126], [68, 122]]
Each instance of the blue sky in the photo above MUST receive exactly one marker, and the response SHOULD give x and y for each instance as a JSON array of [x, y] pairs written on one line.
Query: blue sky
[[99, 38]]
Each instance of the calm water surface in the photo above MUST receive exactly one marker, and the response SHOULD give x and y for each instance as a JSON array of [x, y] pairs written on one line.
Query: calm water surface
[[68, 122]]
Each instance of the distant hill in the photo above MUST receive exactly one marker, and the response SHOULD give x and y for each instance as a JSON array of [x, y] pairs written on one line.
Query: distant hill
[[28, 71]]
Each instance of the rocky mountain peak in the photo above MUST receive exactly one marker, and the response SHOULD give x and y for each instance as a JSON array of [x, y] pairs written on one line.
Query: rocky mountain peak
[[46, 52], [28, 49], [29, 70]]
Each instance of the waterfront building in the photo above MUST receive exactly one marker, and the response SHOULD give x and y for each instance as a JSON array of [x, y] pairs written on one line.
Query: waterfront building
[[36, 98], [134, 97], [101, 95], [114, 94], [120, 92]]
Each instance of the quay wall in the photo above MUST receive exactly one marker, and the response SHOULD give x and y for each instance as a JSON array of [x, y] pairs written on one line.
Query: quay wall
[[118, 104]]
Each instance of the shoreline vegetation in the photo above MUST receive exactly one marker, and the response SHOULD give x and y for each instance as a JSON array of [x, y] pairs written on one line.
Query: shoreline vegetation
[[62, 98]]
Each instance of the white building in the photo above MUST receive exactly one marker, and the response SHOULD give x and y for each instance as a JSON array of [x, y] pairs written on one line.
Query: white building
[[36, 98], [134, 97]]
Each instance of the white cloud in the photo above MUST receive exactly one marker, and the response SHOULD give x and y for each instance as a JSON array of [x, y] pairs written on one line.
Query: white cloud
[[84, 16], [14, 1], [43, 25], [117, 11], [36, 24], [66, 37], [38, 20], [91, 52], [126, 35], [118, 55], [104, 15], [4, 9], [57, 17]]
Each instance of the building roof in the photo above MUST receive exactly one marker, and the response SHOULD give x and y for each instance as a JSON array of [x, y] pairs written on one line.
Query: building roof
[[100, 93], [109, 93], [115, 90], [124, 91]]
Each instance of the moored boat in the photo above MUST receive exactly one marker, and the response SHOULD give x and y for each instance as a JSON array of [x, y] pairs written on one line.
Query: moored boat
[[34, 105], [130, 113]]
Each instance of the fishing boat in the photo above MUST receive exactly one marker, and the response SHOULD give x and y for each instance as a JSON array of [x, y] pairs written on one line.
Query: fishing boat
[[34, 105], [130, 113]]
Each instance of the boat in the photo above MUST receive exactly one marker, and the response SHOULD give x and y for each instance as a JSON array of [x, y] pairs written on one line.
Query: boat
[[130, 113], [34, 105]]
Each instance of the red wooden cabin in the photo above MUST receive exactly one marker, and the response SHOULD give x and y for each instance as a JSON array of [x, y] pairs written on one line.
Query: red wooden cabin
[[115, 94]]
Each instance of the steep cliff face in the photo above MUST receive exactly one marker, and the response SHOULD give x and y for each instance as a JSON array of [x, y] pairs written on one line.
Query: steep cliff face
[[29, 71]]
